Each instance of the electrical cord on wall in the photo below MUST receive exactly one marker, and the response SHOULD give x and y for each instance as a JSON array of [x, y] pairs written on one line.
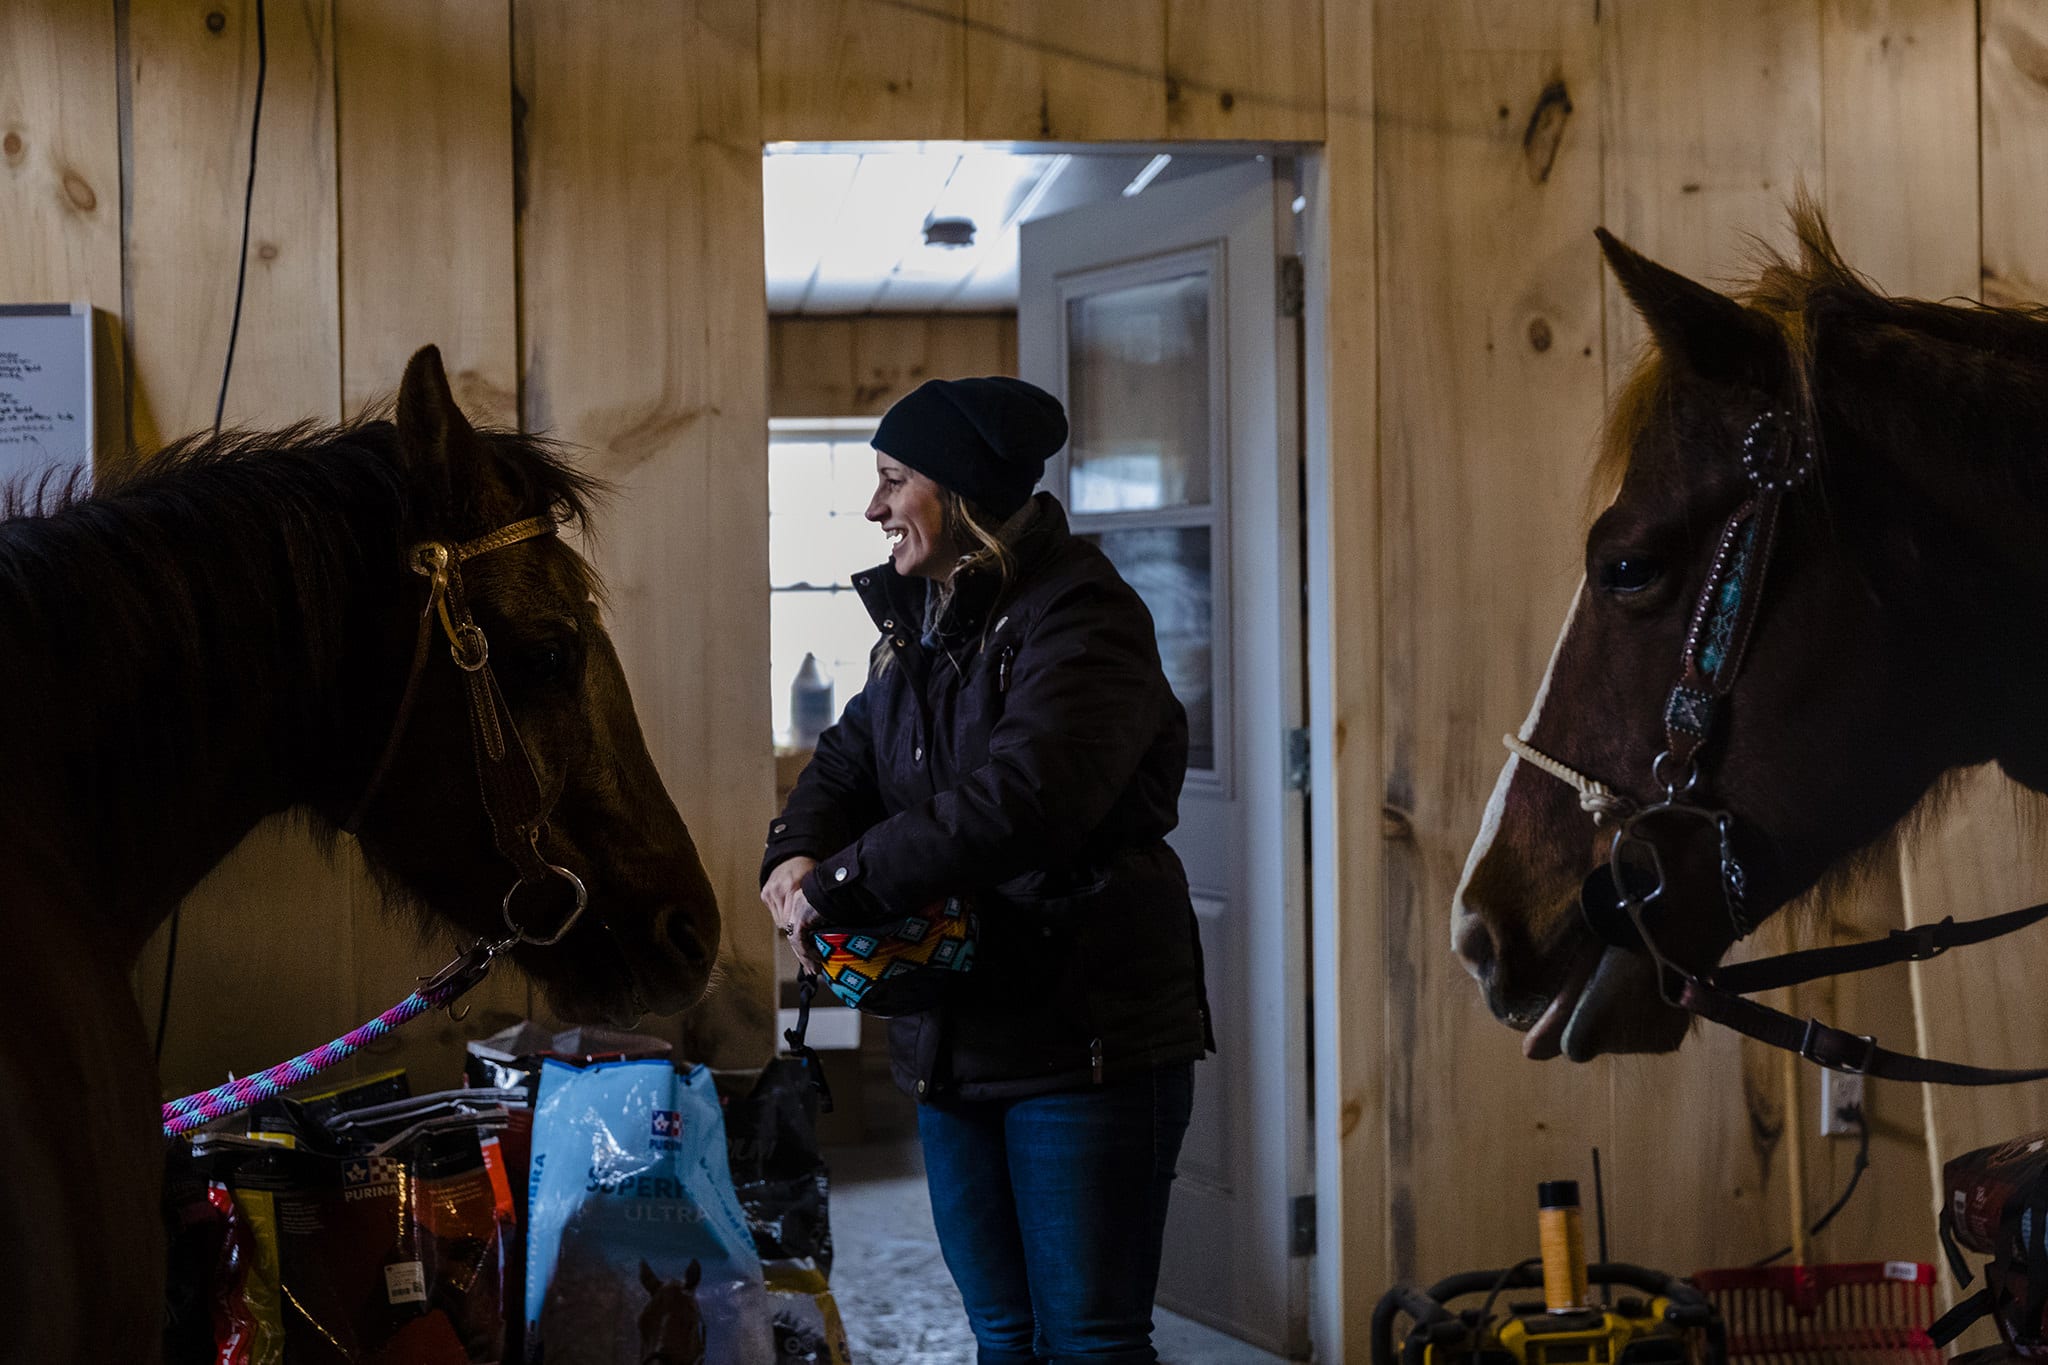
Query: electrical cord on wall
[[1854, 1113], [220, 403]]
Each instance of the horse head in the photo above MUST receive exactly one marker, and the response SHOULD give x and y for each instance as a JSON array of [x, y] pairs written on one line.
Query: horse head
[[1750, 732], [429, 813], [671, 1325]]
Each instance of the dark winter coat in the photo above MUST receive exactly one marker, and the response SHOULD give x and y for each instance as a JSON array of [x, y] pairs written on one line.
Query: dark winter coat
[[1030, 758]]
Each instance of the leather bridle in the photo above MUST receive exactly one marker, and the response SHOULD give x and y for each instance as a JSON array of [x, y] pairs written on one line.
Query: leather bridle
[[512, 796], [1616, 899]]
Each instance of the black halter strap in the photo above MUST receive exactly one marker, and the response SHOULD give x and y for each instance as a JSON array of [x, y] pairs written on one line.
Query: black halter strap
[[512, 797]]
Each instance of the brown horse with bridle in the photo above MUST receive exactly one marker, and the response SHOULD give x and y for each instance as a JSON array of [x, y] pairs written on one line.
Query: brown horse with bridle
[[1807, 605], [242, 627]]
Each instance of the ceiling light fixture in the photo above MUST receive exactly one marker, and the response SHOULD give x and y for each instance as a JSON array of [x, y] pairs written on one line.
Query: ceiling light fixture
[[1028, 205], [949, 232], [1146, 176]]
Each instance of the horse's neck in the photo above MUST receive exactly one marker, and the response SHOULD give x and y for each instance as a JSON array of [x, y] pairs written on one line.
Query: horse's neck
[[1948, 503], [162, 693]]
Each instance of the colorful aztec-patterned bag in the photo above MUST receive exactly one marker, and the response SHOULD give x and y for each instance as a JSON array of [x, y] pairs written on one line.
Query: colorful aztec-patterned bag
[[899, 966]]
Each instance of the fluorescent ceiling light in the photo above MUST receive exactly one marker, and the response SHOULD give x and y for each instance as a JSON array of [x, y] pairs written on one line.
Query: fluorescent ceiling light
[[1146, 176], [1028, 205]]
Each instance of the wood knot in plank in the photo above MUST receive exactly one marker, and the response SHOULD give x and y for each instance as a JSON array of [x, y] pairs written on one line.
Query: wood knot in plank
[[1539, 335], [1540, 140], [79, 192], [647, 434], [12, 147], [1396, 823], [1354, 1110]]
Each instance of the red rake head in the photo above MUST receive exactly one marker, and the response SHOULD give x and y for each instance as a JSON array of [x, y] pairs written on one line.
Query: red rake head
[[1863, 1311]]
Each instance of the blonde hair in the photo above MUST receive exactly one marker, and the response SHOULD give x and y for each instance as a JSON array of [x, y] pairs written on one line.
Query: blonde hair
[[961, 523]]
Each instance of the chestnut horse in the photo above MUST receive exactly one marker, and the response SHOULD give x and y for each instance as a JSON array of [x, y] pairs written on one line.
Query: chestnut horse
[[1885, 458], [228, 633]]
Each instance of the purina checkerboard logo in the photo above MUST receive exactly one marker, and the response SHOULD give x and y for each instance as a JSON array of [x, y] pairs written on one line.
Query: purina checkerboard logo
[[668, 1129], [369, 1177]]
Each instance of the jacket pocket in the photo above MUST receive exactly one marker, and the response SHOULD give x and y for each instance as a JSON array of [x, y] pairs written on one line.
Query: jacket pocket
[[982, 704]]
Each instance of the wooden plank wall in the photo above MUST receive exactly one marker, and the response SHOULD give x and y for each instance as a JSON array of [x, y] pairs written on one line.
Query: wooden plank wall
[[590, 258], [1485, 414], [857, 367]]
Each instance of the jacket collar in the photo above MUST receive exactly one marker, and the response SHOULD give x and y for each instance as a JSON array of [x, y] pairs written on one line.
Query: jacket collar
[[897, 603]]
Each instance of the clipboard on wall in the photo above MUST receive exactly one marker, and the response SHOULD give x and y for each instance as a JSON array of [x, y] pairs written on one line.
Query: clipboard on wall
[[47, 370]]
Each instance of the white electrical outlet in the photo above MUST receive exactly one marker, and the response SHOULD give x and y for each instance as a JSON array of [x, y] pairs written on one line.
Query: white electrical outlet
[[1838, 1091]]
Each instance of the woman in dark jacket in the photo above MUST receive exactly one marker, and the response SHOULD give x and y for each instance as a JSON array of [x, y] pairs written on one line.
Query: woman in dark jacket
[[1016, 745]]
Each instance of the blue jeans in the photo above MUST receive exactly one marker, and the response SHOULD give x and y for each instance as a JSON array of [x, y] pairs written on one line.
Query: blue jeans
[[1051, 1210]]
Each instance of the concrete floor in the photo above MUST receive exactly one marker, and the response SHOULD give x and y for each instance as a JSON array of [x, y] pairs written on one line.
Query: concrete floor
[[895, 1295]]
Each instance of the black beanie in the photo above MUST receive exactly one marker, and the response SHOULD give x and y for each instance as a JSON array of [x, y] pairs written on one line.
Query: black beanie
[[985, 439]]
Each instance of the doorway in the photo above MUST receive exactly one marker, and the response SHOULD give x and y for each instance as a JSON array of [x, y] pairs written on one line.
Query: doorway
[[1148, 287]]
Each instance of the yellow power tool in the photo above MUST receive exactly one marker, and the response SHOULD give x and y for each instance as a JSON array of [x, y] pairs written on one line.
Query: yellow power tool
[[1661, 1321]]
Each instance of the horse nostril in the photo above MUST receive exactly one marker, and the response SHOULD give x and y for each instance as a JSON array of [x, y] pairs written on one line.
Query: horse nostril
[[682, 935], [1473, 942]]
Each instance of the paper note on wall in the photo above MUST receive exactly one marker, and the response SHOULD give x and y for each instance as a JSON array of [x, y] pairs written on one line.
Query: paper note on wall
[[46, 389]]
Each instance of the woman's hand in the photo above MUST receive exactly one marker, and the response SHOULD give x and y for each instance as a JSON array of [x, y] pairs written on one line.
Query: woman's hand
[[783, 894], [783, 881], [801, 919]]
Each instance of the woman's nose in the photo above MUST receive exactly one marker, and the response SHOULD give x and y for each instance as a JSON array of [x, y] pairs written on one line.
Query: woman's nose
[[876, 508]]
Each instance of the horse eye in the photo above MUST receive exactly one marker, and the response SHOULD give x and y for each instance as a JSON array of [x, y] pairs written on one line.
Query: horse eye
[[543, 663], [1630, 575]]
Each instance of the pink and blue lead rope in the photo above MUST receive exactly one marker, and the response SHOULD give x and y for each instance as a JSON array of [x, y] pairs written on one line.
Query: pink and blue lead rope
[[193, 1111]]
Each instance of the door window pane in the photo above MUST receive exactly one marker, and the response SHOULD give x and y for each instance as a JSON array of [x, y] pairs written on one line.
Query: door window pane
[[1138, 396], [1169, 568], [832, 625], [819, 482]]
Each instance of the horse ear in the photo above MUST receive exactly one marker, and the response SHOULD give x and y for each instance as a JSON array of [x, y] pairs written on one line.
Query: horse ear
[[1712, 333], [648, 1279], [432, 432]]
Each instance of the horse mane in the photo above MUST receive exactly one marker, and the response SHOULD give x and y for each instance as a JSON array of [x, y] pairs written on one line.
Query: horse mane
[[1797, 292], [245, 487], [238, 558]]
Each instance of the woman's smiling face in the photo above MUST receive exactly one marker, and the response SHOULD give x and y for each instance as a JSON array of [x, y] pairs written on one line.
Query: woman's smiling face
[[907, 507]]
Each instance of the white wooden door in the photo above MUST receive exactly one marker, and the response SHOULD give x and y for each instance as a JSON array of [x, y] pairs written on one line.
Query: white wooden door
[[1156, 320]]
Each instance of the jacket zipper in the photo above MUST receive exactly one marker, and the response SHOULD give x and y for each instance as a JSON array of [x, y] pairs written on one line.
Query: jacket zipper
[[1003, 669], [1095, 1059]]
